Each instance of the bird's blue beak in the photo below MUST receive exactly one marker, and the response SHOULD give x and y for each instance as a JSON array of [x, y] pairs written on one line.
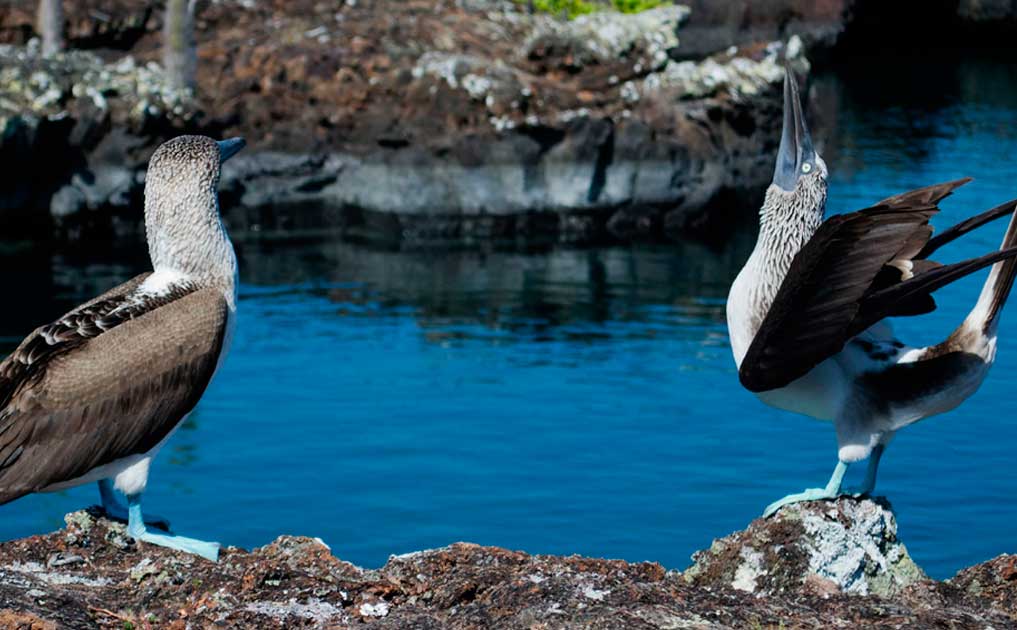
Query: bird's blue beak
[[796, 155], [229, 148]]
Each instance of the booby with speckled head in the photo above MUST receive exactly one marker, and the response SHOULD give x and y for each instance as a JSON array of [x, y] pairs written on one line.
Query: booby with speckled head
[[806, 314], [95, 394]]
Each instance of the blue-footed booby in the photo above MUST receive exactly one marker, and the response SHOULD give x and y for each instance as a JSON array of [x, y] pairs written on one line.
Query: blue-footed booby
[[95, 394], [806, 314]]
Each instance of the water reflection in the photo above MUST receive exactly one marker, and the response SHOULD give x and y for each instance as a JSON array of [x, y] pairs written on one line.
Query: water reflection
[[535, 294], [896, 111]]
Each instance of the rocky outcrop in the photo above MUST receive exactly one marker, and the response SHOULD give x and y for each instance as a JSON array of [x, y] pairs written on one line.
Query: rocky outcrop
[[467, 120], [715, 25], [844, 546], [470, 120], [803, 569]]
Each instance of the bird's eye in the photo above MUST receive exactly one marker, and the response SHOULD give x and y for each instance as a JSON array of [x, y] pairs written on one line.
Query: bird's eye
[[806, 167]]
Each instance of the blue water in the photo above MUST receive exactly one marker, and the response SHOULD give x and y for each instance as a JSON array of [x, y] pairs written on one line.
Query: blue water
[[570, 401]]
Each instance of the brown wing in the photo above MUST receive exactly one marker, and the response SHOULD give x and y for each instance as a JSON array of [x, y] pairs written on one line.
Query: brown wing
[[94, 388], [849, 257], [19, 366]]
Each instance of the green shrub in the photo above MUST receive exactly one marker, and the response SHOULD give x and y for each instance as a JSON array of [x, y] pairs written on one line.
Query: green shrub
[[571, 8], [635, 6], [574, 8]]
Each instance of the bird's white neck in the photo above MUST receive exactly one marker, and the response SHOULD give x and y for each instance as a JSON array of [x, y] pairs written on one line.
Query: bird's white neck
[[187, 239], [786, 223]]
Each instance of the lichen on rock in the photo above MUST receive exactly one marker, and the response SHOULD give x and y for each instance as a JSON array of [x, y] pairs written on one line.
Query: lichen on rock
[[735, 74], [770, 575], [42, 85], [605, 36], [850, 545]]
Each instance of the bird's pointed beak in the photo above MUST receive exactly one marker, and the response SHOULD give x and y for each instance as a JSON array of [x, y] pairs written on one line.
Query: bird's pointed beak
[[229, 148], [795, 142]]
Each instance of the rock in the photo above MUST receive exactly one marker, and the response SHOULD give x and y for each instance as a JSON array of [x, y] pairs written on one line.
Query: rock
[[604, 37], [108, 186], [456, 121], [994, 582], [846, 545], [738, 75], [41, 85], [982, 11], [97, 581], [713, 25]]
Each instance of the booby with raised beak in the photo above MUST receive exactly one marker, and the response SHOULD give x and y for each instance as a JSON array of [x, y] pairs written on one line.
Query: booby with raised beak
[[806, 313], [95, 394]]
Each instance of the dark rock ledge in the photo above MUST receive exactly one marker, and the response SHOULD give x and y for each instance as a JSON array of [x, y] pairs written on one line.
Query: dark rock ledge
[[428, 121], [821, 565]]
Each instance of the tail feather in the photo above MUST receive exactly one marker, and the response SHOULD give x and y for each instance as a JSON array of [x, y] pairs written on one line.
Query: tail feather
[[998, 284]]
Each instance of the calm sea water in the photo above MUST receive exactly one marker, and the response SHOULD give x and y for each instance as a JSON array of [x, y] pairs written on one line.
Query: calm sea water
[[572, 401]]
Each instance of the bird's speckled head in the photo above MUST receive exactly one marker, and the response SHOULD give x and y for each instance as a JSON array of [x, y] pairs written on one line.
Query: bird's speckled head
[[796, 200], [185, 232]]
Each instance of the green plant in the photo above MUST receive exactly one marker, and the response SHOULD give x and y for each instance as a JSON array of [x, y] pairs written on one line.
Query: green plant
[[635, 6], [573, 8]]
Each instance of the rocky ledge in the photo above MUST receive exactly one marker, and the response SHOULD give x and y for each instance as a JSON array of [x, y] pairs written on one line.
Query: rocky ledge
[[416, 119], [818, 565]]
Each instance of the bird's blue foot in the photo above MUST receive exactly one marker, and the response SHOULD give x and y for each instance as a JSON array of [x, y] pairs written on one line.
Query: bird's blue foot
[[811, 494], [136, 529], [831, 491], [116, 511]]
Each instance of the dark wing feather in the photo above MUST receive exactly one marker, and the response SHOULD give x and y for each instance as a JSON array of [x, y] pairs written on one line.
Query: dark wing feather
[[965, 226], [812, 314], [114, 387], [929, 196], [883, 303]]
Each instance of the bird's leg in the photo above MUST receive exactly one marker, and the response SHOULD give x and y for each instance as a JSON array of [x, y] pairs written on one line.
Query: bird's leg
[[116, 510], [136, 529], [831, 491], [870, 473]]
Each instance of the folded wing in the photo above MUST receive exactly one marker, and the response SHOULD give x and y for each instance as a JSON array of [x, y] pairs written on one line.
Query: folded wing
[[108, 380]]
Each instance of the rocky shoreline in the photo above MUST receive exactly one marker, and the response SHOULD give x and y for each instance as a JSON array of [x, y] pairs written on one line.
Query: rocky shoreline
[[453, 121], [817, 565], [436, 121]]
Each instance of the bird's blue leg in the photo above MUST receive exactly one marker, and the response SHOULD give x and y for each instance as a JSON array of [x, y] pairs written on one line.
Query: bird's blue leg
[[116, 511], [832, 490], [870, 473], [136, 529]]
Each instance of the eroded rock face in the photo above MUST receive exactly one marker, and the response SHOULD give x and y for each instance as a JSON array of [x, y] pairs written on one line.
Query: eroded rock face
[[452, 121], [713, 25], [92, 574], [847, 545]]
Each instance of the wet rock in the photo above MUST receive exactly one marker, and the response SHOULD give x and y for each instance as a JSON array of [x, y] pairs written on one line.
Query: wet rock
[[846, 545]]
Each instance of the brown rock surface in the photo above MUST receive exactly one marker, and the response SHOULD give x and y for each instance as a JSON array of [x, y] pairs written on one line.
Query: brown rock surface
[[460, 119], [91, 575]]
